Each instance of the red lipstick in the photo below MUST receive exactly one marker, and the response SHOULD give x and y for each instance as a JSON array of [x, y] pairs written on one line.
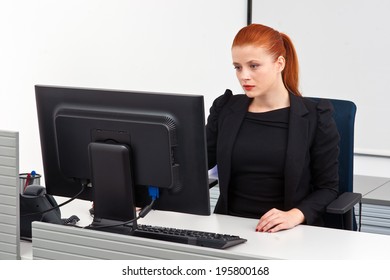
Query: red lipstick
[[248, 87]]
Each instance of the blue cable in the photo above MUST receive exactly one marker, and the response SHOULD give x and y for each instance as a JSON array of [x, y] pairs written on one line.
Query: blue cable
[[154, 194]]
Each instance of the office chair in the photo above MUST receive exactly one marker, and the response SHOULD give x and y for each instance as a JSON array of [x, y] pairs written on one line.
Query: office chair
[[340, 213]]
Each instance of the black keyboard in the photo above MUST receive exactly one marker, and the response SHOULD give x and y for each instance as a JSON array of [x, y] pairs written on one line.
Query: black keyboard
[[192, 237]]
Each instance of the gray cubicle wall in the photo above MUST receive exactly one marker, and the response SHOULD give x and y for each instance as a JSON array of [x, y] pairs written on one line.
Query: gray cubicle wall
[[9, 195], [58, 242], [375, 217]]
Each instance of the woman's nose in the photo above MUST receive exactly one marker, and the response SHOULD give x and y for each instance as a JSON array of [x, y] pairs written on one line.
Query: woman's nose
[[244, 75]]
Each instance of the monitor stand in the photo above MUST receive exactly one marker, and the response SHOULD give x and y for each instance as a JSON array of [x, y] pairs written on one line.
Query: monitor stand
[[113, 187]]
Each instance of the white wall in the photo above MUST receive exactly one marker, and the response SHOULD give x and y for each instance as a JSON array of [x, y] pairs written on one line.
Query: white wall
[[372, 166], [169, 45], [178, 46]]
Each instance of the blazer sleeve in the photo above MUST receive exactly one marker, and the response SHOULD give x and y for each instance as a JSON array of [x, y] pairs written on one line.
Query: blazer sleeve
[[324, 153], [212, 126]]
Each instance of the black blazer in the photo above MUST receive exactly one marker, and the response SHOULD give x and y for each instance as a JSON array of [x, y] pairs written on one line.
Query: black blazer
[[311, 168]]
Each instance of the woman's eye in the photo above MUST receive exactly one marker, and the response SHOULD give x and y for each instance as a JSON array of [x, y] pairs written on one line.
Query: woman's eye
[[254, 66], [237, 68]]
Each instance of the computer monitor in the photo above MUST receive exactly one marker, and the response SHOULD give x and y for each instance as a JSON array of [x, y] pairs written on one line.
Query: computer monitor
[[116, 144]]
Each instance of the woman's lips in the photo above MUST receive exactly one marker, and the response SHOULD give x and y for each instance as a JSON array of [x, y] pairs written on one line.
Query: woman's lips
[[248, 87]]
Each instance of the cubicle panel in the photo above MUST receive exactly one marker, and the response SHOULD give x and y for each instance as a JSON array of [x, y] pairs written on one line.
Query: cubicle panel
[[375, 218], [51, 241], [9, 195]]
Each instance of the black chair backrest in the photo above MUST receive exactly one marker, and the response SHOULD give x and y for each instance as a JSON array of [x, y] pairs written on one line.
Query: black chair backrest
[[344, 115]]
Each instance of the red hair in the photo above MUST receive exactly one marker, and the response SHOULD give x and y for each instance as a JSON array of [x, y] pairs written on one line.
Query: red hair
[[277, 44]]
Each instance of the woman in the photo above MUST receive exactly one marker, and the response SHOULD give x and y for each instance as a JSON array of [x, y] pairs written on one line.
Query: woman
[[276, 152]]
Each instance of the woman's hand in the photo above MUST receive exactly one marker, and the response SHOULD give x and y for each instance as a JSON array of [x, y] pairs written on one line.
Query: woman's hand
[[275, 220]]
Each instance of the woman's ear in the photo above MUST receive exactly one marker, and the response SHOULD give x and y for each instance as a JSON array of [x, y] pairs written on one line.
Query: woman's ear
[[281, 63]]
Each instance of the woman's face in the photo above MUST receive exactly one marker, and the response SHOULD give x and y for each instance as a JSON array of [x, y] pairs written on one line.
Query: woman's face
[[257, 71]]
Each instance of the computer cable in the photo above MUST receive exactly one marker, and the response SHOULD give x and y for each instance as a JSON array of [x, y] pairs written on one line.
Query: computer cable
[[153, 193], [144, 211], [59, 205]]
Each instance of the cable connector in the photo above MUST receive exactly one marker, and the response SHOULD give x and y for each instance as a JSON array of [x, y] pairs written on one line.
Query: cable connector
[[154, 192]]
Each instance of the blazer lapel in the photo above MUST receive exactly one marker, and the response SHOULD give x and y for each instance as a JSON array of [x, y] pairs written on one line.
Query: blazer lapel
[[296, 148], [228, 134]]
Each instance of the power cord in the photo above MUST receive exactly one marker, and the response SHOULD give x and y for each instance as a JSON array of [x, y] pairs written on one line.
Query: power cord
[[144, 211], [153, 193], [58, 206]]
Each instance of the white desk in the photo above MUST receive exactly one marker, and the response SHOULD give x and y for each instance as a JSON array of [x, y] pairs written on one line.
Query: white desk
[[302, 242]]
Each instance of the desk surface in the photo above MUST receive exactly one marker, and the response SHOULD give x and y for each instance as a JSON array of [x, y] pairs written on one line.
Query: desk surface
[[375, 190], [366, 184], [301, 242], [379, 196]]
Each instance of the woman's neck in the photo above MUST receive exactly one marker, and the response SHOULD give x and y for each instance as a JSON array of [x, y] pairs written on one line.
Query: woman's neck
[[270, 102]]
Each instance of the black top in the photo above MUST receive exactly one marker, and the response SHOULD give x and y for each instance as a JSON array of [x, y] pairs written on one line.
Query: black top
[[258, 158]]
